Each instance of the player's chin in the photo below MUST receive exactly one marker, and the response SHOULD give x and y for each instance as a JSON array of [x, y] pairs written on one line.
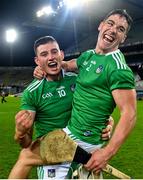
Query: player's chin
[[54, 72]]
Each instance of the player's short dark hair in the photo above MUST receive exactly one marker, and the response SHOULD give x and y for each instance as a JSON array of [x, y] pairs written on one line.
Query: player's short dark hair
[[43, 40], [122, 13]]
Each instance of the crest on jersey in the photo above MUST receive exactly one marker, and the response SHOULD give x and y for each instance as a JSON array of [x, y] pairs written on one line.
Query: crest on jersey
[[51, 173], [99, 69], [72, 87], [87, 133]]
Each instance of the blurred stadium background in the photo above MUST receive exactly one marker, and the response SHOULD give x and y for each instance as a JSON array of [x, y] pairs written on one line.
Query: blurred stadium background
[[76, 31]]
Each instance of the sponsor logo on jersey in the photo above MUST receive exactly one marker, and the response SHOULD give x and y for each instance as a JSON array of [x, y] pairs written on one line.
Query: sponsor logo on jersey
[[47, 95], [87, 133], [61, 87], [51, 173], [99, 69], [93, 62], [85, 63]]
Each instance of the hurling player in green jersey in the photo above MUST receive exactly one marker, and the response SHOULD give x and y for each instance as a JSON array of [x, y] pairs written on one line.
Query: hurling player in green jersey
[[104, 81], [46, 104]]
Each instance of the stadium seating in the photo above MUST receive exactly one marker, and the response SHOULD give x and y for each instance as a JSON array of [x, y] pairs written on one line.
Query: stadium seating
[[15, 79]]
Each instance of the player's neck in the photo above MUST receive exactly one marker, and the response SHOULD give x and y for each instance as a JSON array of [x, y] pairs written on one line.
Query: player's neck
[[54, 77], [104, 51]]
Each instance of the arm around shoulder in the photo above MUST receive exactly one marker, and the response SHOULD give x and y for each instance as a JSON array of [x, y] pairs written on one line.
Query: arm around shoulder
[[70, 65]]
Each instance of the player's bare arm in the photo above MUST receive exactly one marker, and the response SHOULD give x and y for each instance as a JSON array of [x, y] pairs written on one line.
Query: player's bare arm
[[39, 73], [70, 65], [126, 101], [24, 127], [66, 65]]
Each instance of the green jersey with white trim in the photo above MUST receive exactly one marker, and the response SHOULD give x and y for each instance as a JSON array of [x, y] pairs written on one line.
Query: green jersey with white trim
[[93, 102], [52, 102]]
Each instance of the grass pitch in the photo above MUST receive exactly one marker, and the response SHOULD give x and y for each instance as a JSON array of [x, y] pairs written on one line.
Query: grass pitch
[[9, 149], [129, 159]]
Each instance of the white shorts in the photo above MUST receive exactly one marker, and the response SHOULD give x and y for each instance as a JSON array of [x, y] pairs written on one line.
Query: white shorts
[[60, 171]]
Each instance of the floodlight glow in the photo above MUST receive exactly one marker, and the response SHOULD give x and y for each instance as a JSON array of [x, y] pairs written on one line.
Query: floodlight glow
[[48, 10], [73, 3], [45, 10], [39, 13], [61, 3], [11, 35]]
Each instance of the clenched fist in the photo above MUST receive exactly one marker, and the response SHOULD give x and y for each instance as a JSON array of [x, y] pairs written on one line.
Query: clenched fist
[[24, 122]]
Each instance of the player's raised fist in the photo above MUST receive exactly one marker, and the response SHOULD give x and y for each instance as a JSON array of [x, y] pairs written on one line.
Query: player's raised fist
[[23, 121]]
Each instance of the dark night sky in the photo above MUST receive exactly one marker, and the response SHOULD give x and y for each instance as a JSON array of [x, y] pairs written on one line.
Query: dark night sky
[[14, 13], [21, 15]]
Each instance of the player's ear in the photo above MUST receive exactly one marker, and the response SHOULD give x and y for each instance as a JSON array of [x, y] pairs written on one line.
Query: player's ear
[[36, 61], [62, 54], [100, 26], [124, 38]]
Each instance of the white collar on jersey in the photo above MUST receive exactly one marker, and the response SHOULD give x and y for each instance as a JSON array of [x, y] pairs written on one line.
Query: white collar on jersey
[[116, 51]]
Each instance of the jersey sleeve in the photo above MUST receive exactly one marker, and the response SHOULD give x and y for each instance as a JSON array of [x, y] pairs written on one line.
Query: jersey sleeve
[[122, 79], [120, 76], [27, 101]]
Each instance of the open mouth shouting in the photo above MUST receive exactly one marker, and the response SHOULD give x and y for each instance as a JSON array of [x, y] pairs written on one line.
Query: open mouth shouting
[[52, 64], [108, 38]]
